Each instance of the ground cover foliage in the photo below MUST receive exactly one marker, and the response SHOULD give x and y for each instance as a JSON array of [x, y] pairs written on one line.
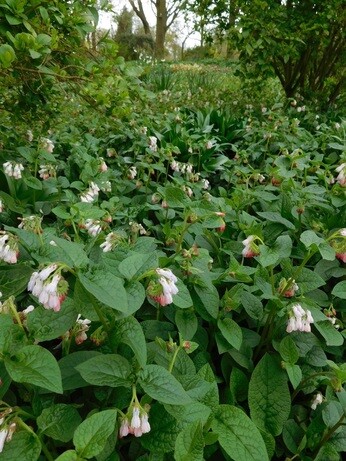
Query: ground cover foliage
[[172, 270]]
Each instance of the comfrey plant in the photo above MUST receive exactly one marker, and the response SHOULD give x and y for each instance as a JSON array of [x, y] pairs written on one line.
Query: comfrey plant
[[184, 301]]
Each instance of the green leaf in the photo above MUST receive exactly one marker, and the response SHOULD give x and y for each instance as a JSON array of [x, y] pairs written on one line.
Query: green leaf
[[69, 455], [270, 256], [45, 324], [107, 288], [239, 385], [106, 370], [310, 238], [294, 373], [288, 350], [231, 331], [269, 396], [130, 332], [60, 212], [7, 55], [135, 292], [35, 55], [252, 305], [136, 264], [164, 431], [183, 298], [211, 398], [309, 281], [32, 182], [329, 333], [71, 253], [176, 197], [292, 435], [91, 436], [340, 290], [332, 413], [13, 20], [24, 446], [59, 421], [5, 379], [186, 322], [276, 217], [35, 365], [191, 413], [209, 297], [190, 443], [12, 336], [71, 378], [327, 452], [160, 385], [14, 279], [238, 435]]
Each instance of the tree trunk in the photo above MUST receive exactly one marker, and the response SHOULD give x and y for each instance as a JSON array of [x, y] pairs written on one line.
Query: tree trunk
[[139, 10], [161, 28]]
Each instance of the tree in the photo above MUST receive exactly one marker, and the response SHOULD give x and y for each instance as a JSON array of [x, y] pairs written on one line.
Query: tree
[[166, 12], [131, 42], [302, 42], [43, 42]]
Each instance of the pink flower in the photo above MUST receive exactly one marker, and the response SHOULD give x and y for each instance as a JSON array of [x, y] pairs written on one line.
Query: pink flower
[[299, 320], [50, 289], [124, 428], [341, 256], [250, 248]]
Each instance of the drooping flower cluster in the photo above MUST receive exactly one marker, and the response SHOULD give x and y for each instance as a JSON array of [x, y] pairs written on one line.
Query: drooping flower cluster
[[318, 399], [138, 228], [205, 183], [132, 172], [331, 316], [1, 206], [6, 431], [49, 287], [210, 144], [162, 291], [13, 169], [47, 145], [93, 227], [47, 171], [188, 191], [153, 143], [136, 423], [299, 319], [288, 288], [341, 178], [103, 165], [250, 249], [339, 244], [80, 329], [8, 248], [112, 240], [29, 135], [90, 194], [31, 223]]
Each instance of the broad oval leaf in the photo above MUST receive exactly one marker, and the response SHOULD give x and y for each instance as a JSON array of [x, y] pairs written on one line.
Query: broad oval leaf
[[238, 435], [160, 385], [106, 370], [91, 436], [35, 365], [269, 396]]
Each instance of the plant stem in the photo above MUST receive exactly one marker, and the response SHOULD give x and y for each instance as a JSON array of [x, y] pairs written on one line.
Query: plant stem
[[328, 435], [171, 365], [101, 317]]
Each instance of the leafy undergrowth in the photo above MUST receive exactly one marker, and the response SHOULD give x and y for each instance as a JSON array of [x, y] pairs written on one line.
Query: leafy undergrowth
[[173, 285]]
